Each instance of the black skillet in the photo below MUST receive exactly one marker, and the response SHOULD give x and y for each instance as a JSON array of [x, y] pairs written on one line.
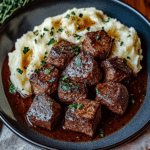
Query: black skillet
[[34, 14]]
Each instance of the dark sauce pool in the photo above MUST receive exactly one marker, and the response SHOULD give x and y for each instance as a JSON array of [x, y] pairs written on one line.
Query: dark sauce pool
[[110, 122]]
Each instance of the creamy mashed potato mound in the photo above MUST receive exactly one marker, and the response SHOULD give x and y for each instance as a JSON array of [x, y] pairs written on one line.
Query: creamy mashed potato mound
[[70, 26]]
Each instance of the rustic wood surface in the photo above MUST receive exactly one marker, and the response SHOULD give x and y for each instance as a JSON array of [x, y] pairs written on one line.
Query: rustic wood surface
[[140, 143]]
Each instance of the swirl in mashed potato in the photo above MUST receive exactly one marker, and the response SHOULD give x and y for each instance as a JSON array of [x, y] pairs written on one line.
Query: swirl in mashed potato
[[32, 48]]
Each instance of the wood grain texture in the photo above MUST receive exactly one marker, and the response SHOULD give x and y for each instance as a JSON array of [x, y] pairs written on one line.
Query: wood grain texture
[[143, 6]]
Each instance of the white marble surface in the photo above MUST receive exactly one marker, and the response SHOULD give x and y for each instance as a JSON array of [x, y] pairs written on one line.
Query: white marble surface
[[10, 141]]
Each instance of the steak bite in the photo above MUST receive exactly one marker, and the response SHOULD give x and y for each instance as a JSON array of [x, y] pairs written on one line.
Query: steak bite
[[83, 68], [62, 54], [83, 116], [113, 95], [44, 112], [98, 43], [45, 80], [116, 70], [69, 91]]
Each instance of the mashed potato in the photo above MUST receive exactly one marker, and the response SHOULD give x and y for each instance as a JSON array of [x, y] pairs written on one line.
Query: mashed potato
[[33, 47]]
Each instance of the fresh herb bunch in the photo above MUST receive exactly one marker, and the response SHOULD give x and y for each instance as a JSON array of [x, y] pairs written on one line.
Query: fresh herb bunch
[[8, 7]]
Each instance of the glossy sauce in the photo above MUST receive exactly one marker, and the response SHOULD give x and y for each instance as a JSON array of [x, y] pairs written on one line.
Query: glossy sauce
[[110, 122]]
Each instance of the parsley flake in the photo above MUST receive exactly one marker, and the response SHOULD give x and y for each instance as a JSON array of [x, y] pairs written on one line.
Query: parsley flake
[[26, 49], [128, 57], [124, 60], [103, 28], [77, 36], [73, 13], [45, 57], [98, 37], [45, 53], [52, 28], [36, 33], [43, 63], [67, 16], [74, 106], [97, 92], [101, 132], [88, 28], [35, 41], [52, 80], [78, 61], [132, 101], [121, 43], [65, 77], [42, 35], [145, 92], [51, 41], [60, 30], [80, 15], [129, 35], [79, 106], [64, 87], [12, 88], [36, 70], [19, 70], [50, 103], [51, 33], [107, 20], [75, 49], [45, 29], [47, 71]]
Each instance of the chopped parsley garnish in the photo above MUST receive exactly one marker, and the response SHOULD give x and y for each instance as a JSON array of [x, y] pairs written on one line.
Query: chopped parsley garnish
[[52, 80], [129, 35], [58, 48], [65, 77], [51, 33], [73, 13], [12, 88], [47, 71], [98, 37], [124, 60], [64, 87], [78, 61], [26, 49], [97, 92], [45, 53], [75, 49], [121, 43], [42, 35], [103, 28], [50, 103], [22, 89], [37, 98], [36, 33], [51, 41], [45, 57], [132, 101], [67, 16], [101, 132], [128, 57], [74, 106], [46, 29], [144, 93], [80, 15], [43, 63], [107, 20], [36, 70], [60, 30], [88, 28], [77, 36], [35, 41], [52, 28], [19, 70], [79, 86]]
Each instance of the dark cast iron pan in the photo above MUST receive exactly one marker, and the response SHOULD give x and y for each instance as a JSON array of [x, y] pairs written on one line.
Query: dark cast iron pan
[[34, 14]]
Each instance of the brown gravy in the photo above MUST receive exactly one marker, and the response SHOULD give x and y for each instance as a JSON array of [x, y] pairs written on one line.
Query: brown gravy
[[110, 122]]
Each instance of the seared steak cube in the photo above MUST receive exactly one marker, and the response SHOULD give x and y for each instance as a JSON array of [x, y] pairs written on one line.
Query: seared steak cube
[[62, 54], [44, 112], [83, 116], [98, 43], [45, 80], [69, 91], [113, 95], [115, 69], [83, 68]]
